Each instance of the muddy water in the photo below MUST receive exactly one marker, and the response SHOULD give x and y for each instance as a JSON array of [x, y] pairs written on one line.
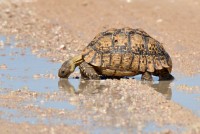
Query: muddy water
[[20, 70], [171, 90], [24, 70]]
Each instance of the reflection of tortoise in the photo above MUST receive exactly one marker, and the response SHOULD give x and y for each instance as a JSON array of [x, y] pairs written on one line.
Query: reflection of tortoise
[[121, 52], [84, 87]]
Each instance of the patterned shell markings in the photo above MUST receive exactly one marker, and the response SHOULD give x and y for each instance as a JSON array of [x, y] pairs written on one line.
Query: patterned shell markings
[[127, 49]]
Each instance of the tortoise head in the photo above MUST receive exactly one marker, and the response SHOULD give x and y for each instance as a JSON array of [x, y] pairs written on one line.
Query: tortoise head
[[66, 69]]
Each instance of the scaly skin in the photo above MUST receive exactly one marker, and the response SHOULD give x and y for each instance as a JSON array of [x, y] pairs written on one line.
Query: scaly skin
[[88, 71]]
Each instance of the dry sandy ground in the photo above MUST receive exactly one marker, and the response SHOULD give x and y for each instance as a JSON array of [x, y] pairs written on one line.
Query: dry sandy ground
[[64, 27]]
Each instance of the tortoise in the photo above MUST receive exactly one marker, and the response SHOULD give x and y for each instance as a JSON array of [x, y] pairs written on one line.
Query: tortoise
[[119, 53]]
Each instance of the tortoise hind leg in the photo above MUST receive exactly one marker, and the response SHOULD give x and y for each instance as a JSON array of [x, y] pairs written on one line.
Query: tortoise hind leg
[[165, 75], [88, 72], [147, 76]]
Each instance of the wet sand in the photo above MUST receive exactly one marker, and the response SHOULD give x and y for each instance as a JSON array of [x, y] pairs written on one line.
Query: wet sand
[[61, 29]]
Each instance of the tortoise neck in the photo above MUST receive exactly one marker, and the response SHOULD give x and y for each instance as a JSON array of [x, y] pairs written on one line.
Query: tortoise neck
[[77, 60]]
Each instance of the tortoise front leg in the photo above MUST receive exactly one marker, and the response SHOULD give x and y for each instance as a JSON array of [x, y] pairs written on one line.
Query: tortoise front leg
[[88, 71], [147, 76]]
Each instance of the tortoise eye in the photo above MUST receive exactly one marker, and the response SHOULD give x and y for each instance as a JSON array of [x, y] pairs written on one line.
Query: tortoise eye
[[62, 72]]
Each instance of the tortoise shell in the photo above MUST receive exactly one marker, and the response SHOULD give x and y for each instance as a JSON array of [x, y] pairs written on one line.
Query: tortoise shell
[[127, 49]]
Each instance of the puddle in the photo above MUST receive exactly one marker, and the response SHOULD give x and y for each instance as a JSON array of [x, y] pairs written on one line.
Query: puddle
[[16, 116], [63, 105], [169, 89], [21, 67], [75, 86], [185, 98], [152, 128]]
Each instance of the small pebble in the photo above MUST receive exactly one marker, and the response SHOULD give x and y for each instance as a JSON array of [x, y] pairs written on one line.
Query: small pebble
[[37, 76], [159, 20], [3, 66], [61, 47], [1, 43]]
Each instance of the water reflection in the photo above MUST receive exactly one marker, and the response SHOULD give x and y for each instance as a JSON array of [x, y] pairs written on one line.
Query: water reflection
[[164, 88], [84, 86], [96, 86]]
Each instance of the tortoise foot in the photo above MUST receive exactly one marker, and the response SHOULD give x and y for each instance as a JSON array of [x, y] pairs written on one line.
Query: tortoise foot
[[147, 76]]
